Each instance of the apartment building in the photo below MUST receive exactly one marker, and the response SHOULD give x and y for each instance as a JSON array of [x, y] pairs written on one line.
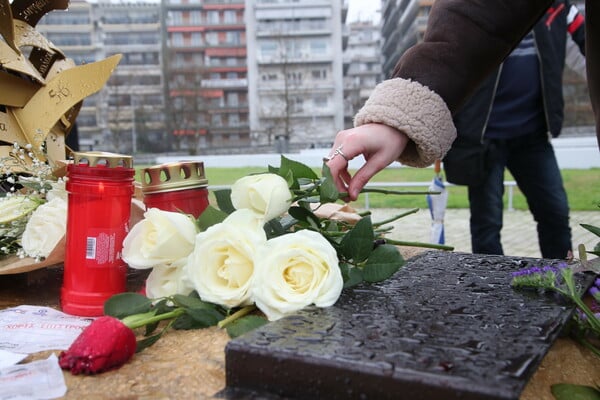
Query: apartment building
[[134, 93], [362, 66], [127, 115], [403, 24], [206, 84], [295, 85]]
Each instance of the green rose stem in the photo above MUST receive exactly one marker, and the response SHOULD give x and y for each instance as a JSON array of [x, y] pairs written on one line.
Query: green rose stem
[[418, 244], [238, 314], [394, 218], [138, 320], [385, 191], [143, 319]]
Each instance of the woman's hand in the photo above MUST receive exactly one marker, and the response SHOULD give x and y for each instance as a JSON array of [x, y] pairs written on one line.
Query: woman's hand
[[379, 144]]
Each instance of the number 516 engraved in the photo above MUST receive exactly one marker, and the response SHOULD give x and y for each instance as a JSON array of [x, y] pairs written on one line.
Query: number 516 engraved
[[60, 93]]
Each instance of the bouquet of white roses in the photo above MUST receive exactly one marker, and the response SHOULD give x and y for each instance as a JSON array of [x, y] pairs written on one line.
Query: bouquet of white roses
[[267, 245]]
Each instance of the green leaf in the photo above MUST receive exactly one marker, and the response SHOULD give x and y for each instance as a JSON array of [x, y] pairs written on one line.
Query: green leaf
[[565, 391], [298, 169], [274, 228], [357, 244], [204, 316], [187, 321], [223, 197], [384, 261], [147, 342], [191, 302], [123, 304], [594, 229], [352, 275], [245, 324], [304, 215], [328, 192], [209, 217]]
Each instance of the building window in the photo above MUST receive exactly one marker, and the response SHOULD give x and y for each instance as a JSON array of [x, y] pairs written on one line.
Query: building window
[[268, 48], [318, 47], [319, 74], [196, 39], [269, 77], [232, 99], [195, 18], [233, 119], [212, 38], [232, 38], [212, 17], [297, 104], [229, 17], [320, 102], [175, 18], [177, 39]]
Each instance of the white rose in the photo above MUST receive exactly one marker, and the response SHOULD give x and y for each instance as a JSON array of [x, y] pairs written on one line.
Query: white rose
[[168, 280], [162, 237], [58, 190], [46, 226], [221, 266], [247, 219], [266, 194], [295, 270]]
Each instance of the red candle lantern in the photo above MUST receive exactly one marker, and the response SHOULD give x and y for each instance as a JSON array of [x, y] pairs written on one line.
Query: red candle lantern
[[178, 186], [100, 189]]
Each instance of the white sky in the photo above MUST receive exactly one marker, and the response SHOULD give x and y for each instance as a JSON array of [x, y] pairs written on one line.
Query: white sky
[[363, 10]]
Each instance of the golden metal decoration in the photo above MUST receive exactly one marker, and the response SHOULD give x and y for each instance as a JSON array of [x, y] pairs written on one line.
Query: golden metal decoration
[[41, 92]]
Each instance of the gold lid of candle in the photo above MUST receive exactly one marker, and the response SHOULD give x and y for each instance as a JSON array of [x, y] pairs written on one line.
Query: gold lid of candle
[[102, 158], [173, 176]]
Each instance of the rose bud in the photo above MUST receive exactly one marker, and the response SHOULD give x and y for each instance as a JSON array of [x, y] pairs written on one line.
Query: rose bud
[[105, 344]]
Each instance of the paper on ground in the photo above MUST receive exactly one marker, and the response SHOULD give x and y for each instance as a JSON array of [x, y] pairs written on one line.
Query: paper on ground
[[29, 329], [7, 358], [41, 379]]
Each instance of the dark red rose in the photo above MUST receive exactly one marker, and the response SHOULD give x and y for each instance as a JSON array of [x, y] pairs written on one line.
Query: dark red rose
[[104, 345]]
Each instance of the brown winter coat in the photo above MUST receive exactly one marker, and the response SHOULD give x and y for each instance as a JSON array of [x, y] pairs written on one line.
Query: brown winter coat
[[464, 41]]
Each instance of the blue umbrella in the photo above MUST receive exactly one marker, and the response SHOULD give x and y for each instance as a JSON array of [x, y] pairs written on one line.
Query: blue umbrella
[[437, 206]]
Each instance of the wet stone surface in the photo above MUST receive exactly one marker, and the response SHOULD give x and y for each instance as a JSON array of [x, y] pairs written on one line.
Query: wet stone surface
[[446, 326]]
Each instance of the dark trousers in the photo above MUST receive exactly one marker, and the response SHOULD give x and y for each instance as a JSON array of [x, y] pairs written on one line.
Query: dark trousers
[[532, 162]]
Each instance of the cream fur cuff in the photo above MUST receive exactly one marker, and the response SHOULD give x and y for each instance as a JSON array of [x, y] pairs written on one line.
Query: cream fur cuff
[[415, 110]]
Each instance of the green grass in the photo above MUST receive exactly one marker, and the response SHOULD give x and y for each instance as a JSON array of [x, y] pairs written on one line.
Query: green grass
[[582, 186]]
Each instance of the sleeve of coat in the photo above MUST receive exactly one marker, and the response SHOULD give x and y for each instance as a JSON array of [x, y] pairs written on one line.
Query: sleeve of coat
[[576, 27], [464, 41]]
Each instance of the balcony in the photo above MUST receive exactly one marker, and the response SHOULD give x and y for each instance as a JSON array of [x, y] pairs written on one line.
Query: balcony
[[225, 83]]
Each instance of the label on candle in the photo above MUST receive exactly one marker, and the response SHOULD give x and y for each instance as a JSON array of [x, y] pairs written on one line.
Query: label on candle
[[101, 249]]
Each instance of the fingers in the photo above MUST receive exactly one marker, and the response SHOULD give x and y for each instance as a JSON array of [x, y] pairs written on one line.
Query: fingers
[[379, 144]]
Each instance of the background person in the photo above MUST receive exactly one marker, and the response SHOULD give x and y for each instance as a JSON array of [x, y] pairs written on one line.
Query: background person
[[408, 118], [508, 123]]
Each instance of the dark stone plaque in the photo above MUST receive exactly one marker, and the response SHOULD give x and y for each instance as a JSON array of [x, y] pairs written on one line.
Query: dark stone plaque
[[446, 326]]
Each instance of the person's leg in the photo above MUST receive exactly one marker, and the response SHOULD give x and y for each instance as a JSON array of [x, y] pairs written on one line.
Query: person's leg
[[532, 162], [485, 203]]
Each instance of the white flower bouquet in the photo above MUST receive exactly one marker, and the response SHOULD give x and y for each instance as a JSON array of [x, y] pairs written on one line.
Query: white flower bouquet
[[33, 212], [275, 242]]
